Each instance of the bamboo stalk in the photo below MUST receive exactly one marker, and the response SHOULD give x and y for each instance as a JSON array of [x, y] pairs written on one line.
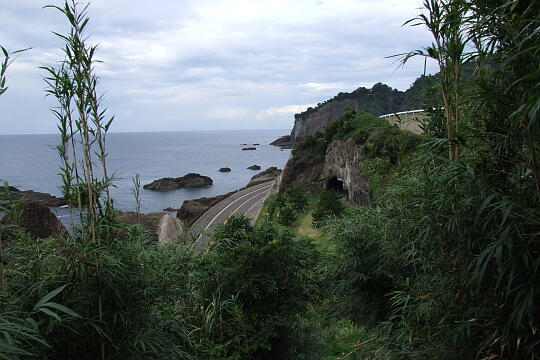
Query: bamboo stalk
[[2, 280]]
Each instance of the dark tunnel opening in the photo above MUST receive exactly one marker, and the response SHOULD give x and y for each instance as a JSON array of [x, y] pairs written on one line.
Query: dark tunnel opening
[[335, 184]]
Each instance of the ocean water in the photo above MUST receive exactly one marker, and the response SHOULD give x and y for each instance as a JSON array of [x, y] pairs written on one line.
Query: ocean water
[[30, 163]]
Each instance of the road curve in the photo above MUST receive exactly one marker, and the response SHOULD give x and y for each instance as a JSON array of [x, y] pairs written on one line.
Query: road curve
[[248, 201]]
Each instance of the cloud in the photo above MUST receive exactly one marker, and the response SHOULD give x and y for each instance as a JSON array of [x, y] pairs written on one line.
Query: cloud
[[324, 86], [227, 113], [286, 110], [242, 61]]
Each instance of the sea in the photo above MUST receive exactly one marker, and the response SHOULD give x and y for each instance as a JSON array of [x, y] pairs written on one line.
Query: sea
[[30, 162]]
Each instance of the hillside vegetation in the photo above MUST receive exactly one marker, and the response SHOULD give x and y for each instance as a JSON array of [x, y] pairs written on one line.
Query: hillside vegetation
[[382, 99], [442, 264]]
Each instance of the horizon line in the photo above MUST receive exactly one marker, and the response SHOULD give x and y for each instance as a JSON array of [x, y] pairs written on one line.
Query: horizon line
[[150, 131]]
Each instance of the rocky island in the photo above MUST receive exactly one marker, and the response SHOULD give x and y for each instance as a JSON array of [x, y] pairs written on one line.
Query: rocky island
[[191, 180], [42, 198]]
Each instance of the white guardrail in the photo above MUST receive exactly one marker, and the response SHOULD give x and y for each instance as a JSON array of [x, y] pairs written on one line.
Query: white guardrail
[[403, 112]]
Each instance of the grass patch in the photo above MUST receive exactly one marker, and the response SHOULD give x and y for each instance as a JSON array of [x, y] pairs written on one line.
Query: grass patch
[[305, 226]]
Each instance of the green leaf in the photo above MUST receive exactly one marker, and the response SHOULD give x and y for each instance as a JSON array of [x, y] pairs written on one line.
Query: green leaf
[[48, 297], [62, 308], [50, 313]]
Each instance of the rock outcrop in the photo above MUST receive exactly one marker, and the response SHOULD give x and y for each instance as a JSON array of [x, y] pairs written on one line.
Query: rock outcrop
[[42, 198], [303, 168], [342, 168], [339, 169], [190, 180], [309, 122], [254, 167], [163, 228], [191, 210], [35, 218], [284, 142], [380, 99], [249, 148], [224, 169], [267, 175]]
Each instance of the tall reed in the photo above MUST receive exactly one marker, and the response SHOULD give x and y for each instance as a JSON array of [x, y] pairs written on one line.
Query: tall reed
[[445, 19], [83, 128]]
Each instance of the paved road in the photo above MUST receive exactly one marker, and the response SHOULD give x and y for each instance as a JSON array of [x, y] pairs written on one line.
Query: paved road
[[248, 201]]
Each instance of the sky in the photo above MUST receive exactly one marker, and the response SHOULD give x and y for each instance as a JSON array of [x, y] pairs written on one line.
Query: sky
[[177, 65]]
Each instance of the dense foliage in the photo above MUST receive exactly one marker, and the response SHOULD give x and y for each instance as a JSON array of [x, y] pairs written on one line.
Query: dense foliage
[[382, 99], [328, 206], [461, 267], [443, 264], [374, 134]]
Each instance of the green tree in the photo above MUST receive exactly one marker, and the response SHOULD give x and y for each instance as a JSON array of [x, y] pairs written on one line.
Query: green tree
[[329, 204], [297, 197], [267, 277], [286, 215]]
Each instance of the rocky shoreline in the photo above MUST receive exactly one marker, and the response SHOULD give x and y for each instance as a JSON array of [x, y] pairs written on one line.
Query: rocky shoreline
[[193, 209], [42, 198], [38, 220], [284, 142]]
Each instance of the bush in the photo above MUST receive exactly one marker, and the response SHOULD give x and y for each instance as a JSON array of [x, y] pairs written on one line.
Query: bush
[[136, 280], [286, 215], [268, 277], [329, 204], [297, 197], [364, 262]]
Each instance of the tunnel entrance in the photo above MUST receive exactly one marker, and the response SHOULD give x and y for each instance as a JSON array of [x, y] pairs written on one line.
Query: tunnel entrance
[[336, 184]]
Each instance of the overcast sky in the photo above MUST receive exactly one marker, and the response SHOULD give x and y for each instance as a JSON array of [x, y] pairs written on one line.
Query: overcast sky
[[211, 64]]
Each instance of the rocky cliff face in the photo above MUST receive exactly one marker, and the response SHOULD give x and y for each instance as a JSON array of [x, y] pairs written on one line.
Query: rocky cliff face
[[342, 168], [380, 99], [339, 169], [303, 168], [308, 123]]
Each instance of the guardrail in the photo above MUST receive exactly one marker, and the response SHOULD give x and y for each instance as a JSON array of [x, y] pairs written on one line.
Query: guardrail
[[403, 113]]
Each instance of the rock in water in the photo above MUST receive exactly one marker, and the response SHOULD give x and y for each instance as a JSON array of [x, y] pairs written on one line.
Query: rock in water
[[190, 180], [36, 219], [267, 175], [224, 169], [254, 167], [43, 198], [284, 142]]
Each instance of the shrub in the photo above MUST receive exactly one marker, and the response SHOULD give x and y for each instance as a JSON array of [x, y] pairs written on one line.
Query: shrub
[[297, 197], [361, 270], [329, 204], [286, 215], [270, 278]]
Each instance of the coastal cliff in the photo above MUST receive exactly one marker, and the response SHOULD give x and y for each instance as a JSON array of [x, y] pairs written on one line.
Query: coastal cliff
[[334, 159], [339, 169], [380, 99]]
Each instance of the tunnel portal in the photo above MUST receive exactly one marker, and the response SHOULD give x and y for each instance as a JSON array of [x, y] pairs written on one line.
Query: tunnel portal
[[335, 183]]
